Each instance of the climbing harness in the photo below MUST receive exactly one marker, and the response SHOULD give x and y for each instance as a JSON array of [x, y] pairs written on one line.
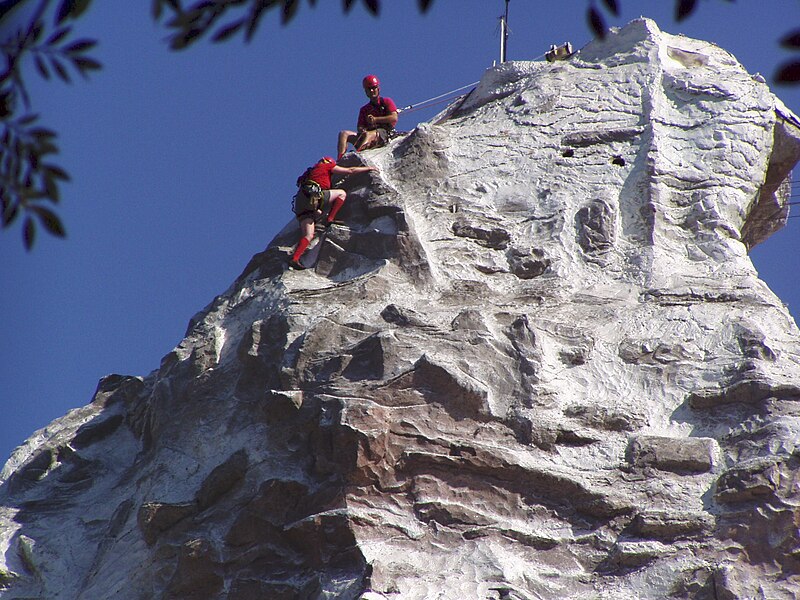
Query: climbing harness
[[312, 190], [309, 199]]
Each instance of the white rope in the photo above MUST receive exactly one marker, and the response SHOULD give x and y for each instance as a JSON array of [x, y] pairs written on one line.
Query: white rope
[[419, 105], [442, 101]]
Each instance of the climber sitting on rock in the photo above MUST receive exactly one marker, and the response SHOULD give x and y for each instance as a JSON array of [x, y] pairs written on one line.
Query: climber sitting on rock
[[314, 195], [376, 120]]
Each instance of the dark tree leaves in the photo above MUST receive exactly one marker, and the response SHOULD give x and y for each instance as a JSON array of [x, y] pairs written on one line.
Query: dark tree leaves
[[60, 70], [791, 40], [50, 221], [84, 64], [6, 104], [684, 8], [255, 18], [41, 67], [29, 180], [79, 46], [789, 73], [8, 211], [289, 10], [71, 9], [228, 30], [200, 18], [596, 22], [29, 183], [28, 233], [373, 6], [80, 8], [57, 36], [6, 6], [612, 6]]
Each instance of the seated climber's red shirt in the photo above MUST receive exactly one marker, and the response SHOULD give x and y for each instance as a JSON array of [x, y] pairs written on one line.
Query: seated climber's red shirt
[[320, 172], [381, 109]]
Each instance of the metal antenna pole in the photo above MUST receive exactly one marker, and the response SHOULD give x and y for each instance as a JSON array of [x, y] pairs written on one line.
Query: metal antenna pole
[[504, 35], [502, 40]]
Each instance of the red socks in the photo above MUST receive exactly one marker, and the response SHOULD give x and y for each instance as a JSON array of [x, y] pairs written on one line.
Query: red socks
[[301, 247], [337, 204]]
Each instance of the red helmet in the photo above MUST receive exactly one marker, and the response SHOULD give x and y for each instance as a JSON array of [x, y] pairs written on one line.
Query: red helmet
[[327, 159], [370, 81]]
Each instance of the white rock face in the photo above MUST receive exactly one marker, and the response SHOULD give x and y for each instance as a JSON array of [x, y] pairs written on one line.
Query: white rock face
[[537, 364]]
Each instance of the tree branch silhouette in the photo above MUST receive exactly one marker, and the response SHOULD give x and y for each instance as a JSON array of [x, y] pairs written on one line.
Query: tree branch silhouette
[[29, 180]]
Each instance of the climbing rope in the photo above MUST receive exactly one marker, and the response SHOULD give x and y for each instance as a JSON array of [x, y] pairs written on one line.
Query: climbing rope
[[432, 101]]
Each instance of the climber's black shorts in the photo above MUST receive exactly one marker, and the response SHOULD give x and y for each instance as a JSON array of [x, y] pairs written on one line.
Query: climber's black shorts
[[304, 208]]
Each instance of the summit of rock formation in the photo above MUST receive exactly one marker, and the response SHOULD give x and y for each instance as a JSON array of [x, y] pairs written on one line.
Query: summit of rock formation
[[537, 363]]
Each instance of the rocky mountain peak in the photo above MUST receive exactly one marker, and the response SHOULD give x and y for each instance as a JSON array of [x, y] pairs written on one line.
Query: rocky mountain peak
[[537, 362]]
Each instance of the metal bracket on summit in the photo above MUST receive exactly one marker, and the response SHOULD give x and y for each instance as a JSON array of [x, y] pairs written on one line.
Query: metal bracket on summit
[[562, 52]]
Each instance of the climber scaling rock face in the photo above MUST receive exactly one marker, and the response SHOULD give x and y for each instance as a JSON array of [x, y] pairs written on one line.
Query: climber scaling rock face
[[537, 363], [316, 198]]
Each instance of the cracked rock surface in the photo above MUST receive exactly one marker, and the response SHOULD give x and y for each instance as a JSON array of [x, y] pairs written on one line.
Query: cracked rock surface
[[537, 363]]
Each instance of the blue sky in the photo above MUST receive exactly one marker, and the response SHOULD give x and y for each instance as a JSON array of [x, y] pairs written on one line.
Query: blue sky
[[183, 164]]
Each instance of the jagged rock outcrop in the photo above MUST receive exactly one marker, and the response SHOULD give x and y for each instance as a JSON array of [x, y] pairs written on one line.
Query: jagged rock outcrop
[[537, 364]]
